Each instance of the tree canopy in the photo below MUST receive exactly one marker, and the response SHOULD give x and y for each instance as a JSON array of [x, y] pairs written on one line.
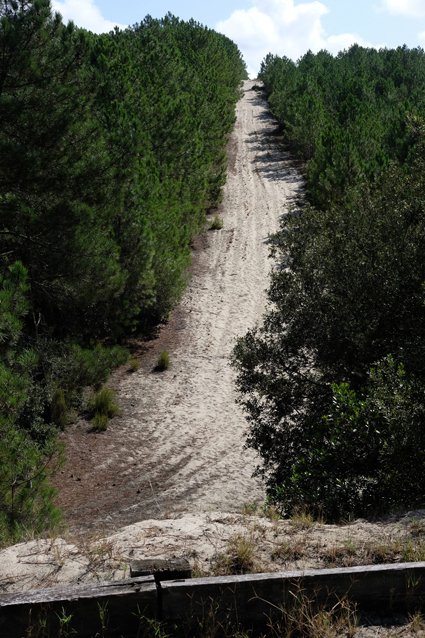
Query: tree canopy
[[112, 148], [334, 380]]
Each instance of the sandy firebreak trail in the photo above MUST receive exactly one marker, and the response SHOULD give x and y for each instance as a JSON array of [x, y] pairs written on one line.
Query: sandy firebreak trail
[[178, 445]]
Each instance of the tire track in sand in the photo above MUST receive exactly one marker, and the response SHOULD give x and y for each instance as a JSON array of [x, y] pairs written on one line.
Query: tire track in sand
[[177, 446]]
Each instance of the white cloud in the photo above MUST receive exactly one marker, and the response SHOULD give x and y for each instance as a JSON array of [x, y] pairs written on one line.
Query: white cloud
[[282, 27], [337, 43], [85, 14], [408, 8]]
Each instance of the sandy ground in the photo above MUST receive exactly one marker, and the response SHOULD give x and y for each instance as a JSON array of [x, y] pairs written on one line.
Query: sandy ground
[[170, 477], [214, 543], [218, 543]]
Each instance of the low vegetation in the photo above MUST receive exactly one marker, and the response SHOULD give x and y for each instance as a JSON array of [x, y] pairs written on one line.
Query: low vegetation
[[216, 223], [134, 364], [238, 557], [103, 402], [101, 407], [163, 362]]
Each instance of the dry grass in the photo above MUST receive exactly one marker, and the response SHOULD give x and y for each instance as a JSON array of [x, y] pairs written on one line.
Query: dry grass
[[417, 624], [304, 619], [238, 558], [301, 521], [401, 550], [288, 551], [417, 528], [216, 223]]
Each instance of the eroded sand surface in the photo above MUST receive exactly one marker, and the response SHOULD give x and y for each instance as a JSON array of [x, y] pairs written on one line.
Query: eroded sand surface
[[178, 445]]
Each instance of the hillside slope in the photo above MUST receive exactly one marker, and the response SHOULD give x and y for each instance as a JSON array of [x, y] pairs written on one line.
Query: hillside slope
[[177, 446], [172, 466]]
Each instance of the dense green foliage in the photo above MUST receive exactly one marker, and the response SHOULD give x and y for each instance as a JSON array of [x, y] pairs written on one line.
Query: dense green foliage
[[111, 151], [334, 381], [26, 447], [347, 116]]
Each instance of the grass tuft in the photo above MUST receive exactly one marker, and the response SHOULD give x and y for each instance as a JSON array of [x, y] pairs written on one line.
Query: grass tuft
[[238, 557], [102, 407], [303, 617], [250, 509], [163, 362], [301, 521], [59, 409], [288, 551], [100, 423], [217, 223], [103, 402], [417, 623], [134, 364]]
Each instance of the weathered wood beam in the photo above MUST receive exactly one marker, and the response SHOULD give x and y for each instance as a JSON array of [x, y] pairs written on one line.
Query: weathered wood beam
[[254, 600], [258, 598], [89, 608], [161, 568]]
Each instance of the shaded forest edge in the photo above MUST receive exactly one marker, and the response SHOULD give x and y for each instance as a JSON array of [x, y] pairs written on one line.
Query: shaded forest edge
[[112, 149], [334, 381]]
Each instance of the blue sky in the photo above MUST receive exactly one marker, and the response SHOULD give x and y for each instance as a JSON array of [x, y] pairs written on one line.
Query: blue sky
[[284, 27]]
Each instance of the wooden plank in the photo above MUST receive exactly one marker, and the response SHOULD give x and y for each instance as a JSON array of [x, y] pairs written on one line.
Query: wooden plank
[[118, 605], [259, 598], [162, 569], [254, 599]]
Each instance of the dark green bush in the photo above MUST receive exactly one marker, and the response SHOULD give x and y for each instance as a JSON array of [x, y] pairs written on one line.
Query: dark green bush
[[26, 495], [59, 409], [334, 381], [92, 366]]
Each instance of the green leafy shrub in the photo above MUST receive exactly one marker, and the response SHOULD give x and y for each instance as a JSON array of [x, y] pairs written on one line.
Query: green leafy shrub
[[63, 370], [334, 380], [26, 495], [92, 366]]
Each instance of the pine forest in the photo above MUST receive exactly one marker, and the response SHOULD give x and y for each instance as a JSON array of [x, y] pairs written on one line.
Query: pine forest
[[112, 149]]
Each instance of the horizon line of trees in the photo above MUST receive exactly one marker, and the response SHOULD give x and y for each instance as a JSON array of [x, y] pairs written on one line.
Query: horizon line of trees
[[112, 149]]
